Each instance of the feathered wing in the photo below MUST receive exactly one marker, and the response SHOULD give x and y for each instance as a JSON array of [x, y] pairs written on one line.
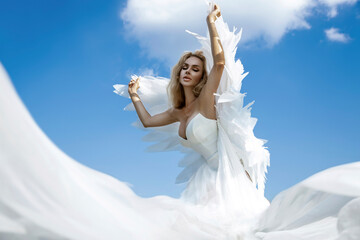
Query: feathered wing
[[235, 118], [153, 95]]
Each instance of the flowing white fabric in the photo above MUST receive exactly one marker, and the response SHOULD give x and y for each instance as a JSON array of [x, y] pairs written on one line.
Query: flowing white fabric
[[44, 194]]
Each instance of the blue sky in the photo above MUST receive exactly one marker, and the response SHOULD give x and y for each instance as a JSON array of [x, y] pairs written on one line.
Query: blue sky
[[64, 56]]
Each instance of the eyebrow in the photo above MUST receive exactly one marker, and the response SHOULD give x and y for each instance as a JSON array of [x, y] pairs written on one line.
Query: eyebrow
[[192, 65]]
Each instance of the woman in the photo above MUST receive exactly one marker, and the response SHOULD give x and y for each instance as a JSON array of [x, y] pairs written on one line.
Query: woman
[[215, 182], [192, 93]]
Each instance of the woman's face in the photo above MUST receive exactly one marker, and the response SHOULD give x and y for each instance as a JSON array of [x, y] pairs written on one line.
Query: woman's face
[[191, 72]]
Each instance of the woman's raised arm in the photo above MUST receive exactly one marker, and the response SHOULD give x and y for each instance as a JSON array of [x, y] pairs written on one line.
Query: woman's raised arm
[[212, 84], [216, 47], [146, 119]]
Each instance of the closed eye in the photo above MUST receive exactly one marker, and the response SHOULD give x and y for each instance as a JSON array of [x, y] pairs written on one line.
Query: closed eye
[[196, 69]]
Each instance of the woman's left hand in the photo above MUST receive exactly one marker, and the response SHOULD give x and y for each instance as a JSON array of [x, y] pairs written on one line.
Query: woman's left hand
[[214, 14]]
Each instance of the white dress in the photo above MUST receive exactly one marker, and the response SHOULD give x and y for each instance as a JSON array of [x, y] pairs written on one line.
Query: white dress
[[44, 194]]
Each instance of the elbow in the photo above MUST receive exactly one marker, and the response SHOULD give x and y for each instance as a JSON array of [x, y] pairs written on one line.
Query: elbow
[[220, 65], [219, 60], [145, 123]]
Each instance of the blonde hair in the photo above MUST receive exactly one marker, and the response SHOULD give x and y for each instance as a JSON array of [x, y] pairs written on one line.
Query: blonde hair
[[175, 89]]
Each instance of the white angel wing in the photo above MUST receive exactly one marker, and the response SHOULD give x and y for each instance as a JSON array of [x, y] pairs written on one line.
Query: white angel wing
[[153, 95], [235, 118]]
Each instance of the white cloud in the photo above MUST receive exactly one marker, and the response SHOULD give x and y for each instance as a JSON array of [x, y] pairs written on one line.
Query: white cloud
[[334, 35], [159, 25], [333, 5]]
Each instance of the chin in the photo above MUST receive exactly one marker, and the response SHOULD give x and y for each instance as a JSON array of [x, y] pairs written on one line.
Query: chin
[[188, 85]]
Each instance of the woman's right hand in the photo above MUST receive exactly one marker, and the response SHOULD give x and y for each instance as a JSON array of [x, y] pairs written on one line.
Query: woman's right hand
[[133, 86], [214, 14]]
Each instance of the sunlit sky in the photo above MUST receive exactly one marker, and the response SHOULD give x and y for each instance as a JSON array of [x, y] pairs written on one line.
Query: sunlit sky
[[303, 57]]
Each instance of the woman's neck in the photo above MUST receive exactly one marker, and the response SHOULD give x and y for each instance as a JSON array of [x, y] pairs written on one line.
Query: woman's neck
[[189, 96]]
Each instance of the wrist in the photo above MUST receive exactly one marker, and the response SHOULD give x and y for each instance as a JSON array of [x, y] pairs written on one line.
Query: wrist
[[134, 97], [210, 19]]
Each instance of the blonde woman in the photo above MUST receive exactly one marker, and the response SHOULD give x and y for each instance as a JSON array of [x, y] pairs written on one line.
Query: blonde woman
[[216, 170]]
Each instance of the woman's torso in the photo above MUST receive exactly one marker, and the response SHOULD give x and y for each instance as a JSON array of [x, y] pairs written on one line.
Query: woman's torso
[[201, 135]]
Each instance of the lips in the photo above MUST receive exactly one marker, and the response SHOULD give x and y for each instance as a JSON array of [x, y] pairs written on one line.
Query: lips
[[186, 78]]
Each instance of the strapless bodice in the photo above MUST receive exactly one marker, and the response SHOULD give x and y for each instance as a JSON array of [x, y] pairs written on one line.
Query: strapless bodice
[[201, 133]]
